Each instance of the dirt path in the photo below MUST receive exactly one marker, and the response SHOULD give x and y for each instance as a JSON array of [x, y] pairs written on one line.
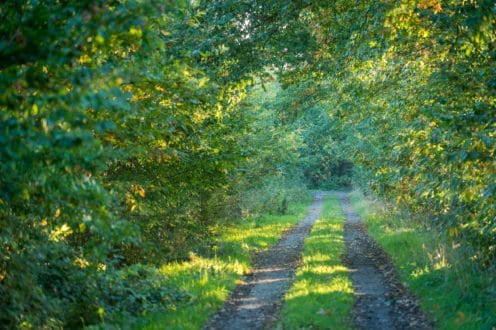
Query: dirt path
[[254, 303], [382, 302]]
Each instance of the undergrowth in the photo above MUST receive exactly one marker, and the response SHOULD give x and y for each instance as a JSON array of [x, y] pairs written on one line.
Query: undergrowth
[[322, 294], [453, 289], [207, 281]]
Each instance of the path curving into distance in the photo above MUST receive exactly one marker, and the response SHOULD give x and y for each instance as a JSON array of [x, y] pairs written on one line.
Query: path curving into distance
[[255, 302], [382, 301]]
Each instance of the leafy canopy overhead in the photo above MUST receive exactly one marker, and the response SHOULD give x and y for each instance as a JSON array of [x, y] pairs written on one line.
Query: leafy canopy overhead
[[129, 129]]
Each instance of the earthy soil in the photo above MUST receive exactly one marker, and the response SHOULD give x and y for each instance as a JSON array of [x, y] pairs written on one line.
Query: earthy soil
[[382, 301], [255, 302]]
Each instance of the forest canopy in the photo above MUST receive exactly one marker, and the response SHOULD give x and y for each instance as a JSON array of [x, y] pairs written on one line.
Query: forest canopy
[[129, 129]]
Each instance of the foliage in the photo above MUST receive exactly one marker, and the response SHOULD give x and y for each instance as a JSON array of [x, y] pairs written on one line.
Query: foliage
[[320, 161], [57, 227], [412, 86], [129, 129], [325, 163]]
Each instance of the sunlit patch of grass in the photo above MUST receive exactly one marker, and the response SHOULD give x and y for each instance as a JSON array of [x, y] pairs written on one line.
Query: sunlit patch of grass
[[322, 294], [455, 292], [207, 282]]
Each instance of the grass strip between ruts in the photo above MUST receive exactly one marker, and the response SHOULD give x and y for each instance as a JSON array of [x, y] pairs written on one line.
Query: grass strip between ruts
[[322, 295]]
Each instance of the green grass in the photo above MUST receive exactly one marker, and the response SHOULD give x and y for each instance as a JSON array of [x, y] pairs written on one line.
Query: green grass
[[454, 291], [207, 282], [322, 295]]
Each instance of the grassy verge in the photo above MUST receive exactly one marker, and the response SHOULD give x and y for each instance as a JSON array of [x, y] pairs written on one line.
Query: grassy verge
[[322, 295], [452, 289], [206, 282]]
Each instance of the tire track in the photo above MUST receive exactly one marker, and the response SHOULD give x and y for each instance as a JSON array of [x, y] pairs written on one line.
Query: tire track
[[382, 301]]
